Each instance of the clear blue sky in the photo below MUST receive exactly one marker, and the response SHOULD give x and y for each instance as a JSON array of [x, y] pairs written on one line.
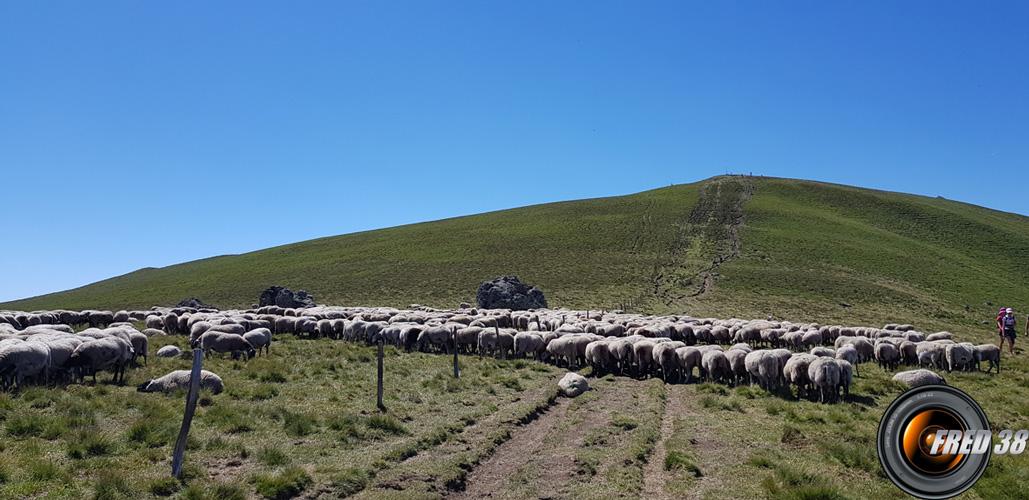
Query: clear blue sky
[[138, 134]]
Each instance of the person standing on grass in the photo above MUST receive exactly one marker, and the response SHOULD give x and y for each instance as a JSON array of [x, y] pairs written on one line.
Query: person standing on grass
[[1007, 324]]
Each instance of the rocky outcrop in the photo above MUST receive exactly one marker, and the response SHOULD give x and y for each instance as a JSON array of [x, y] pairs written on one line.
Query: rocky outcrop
[[284, 297], [508, 292], [194, 303]]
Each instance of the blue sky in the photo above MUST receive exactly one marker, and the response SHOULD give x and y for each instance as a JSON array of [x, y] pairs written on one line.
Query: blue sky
[[138, 134]]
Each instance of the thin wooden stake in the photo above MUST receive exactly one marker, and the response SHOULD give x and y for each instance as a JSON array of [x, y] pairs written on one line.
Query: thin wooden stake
[[457, 369], [379, 403], [187, 417]]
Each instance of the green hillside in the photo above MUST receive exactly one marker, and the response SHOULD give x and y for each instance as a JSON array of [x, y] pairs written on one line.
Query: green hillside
[[727, 246]]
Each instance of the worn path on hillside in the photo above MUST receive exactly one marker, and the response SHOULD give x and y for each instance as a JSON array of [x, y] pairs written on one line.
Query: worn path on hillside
[[706, 238]]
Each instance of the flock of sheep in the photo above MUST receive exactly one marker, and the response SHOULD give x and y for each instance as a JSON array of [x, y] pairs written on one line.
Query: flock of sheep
[[817, 361]]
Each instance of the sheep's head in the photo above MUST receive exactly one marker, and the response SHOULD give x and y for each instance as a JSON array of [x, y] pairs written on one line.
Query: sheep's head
[[144, 387], [76, 359]]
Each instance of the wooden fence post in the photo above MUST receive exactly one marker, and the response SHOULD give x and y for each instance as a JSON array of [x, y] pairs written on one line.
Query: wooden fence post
[[457, 369], [379, 404], [187, 417]]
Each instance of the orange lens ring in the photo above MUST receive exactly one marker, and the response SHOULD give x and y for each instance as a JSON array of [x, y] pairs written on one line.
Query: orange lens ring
[[915, 439]]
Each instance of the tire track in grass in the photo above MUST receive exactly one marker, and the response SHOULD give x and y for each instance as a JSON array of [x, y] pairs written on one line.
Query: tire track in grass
[[544, 459], [434, 470], [514, 455], [655, 477], [698, 436]]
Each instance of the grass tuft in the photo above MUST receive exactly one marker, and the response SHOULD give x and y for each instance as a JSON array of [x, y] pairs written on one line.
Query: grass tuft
[[285, 484], [677, 460]]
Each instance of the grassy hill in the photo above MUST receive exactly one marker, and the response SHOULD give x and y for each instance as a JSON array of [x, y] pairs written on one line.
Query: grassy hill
[[303, 418], [727, 246]]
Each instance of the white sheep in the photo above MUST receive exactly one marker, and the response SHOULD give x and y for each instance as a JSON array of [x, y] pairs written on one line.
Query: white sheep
[[436, 337], [715, 366], [598, 355], [763, 367], [169, 351], [22, 360], [140, 345], [179, 379], [221, 342], [918, 378], [488, 341], [986, 352], [643, 356], [107, 353], [825, 377], [887, 355], [823, 351], [737, 364], [689, 358], [959, 357], [849, 354], [260, 338], [468, 339], [666, 360], [846, 375], [796, 372]]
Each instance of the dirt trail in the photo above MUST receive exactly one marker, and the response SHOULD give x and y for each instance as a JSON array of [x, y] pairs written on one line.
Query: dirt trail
[[539, 461], [416, 472], [714, 455], [654, 475], [490, 477]]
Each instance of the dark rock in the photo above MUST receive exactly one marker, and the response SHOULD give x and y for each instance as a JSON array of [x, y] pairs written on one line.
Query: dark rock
[[507, 292], [194, 303], [284, 297]]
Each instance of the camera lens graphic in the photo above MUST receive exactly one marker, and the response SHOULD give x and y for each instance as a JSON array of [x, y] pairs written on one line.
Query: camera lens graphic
[[918, 437], [908, 431]]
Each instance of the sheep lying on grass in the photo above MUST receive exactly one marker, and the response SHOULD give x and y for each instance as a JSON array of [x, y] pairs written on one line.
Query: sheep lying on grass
[[918, 378], [179, 379], [169, 351]]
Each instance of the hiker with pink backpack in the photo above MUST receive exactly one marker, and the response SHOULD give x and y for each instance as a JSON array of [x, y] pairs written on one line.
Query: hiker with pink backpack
[[1006, 326]]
